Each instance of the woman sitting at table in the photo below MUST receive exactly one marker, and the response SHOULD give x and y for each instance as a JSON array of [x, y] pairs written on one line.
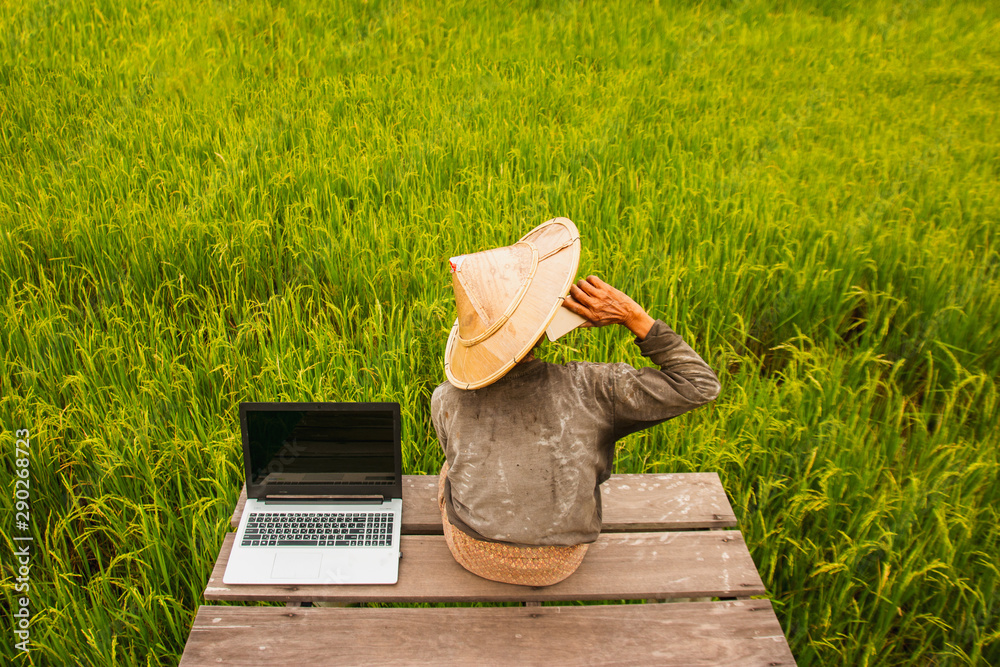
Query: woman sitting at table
[[528, 443]]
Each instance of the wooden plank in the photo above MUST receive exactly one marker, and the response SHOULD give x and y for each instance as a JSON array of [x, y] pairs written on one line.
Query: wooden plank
[[421, 515], [238, 511], [632, 503], [623, 566], [679, 501], [706, 633]]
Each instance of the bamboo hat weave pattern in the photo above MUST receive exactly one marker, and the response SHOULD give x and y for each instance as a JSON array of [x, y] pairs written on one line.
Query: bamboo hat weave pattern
[[506, 297]]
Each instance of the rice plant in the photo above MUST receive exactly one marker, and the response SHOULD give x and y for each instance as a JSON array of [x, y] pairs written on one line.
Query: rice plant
[[208, 203]]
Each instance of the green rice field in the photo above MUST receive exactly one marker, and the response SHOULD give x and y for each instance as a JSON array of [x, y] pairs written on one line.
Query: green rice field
[[203, 203]]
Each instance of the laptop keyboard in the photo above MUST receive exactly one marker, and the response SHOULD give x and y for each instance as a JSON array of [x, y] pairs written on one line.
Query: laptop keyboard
[[318, 529]]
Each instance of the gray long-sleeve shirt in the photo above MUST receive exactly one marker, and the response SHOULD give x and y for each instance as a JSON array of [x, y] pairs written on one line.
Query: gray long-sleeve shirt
[[527, 453]]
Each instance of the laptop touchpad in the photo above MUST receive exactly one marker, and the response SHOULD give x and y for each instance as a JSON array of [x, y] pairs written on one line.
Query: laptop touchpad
[[296, 565]]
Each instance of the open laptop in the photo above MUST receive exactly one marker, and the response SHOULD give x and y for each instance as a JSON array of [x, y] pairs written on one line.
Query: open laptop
[[324, 494]]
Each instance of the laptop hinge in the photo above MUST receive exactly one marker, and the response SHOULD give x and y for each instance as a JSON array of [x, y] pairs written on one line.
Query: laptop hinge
[[345, 500]]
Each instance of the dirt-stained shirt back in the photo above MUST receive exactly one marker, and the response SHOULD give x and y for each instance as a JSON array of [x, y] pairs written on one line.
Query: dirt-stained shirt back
[[528, 453]]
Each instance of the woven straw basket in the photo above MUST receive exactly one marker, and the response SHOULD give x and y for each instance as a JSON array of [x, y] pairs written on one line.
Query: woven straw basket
[[506, 298]]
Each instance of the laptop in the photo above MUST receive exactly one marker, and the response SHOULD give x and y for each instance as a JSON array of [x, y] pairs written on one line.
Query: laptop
[[324, 494]]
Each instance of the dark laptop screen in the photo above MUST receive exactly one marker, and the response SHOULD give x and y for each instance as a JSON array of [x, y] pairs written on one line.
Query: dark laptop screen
[[321, 449]]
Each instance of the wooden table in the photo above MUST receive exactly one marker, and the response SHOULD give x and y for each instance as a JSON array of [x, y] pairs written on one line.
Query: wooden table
[[665, 537]]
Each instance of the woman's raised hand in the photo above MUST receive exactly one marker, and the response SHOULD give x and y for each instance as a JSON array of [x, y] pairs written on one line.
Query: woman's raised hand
[[601, 304]]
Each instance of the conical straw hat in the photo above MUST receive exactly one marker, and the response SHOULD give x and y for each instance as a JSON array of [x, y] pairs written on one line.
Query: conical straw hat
[[506, 298]]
